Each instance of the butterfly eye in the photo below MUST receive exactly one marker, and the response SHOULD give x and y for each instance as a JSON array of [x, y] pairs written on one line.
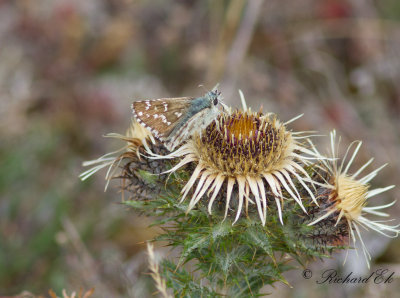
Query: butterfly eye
[[215, 101]]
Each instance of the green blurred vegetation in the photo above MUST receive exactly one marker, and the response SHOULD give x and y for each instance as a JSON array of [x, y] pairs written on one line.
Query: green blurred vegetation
[[69, 71]]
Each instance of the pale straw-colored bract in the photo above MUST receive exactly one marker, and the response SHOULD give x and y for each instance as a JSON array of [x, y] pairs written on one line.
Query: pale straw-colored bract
[[350, 194], [136, 136]]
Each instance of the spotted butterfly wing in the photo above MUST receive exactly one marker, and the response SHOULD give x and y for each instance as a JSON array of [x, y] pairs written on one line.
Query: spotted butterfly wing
[[161, 116]]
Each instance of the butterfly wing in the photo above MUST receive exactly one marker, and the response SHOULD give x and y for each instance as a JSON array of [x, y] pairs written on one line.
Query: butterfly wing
[[193, 124], [161, 115]]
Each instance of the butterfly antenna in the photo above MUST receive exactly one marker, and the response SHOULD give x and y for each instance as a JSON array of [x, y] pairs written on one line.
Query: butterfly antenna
[[202, 87]]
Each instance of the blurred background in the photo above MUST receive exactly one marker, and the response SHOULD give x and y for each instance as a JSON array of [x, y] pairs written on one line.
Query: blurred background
[[70, 69]]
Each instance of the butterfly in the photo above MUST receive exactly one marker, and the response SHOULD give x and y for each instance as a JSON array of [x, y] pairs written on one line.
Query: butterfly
[[173, 120]]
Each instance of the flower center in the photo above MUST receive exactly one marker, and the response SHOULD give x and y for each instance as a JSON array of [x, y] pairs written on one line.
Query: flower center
[[244, 125], [245, 143]]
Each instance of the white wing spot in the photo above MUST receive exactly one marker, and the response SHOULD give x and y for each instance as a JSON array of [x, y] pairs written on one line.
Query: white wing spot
[[177, 114], [140, 113], [165, 107], [164, 119], [155, 116]]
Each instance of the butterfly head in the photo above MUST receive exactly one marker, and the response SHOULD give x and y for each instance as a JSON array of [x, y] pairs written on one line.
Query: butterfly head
[[214, 98]]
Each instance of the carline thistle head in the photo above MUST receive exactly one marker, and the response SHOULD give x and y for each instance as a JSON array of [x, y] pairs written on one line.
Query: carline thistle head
[[173, 120]]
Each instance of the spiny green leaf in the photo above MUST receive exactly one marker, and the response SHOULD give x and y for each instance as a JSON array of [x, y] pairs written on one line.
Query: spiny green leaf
[[226, 258], [256, 237], [183, 282], [250, 280], [147, 177], [194, 242], [221, 230]]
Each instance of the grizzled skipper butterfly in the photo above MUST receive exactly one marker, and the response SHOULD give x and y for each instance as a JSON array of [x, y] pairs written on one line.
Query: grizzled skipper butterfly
[[173, 120]]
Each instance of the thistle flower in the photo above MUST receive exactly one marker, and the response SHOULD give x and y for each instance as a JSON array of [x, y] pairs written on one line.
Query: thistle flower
[[348, 197], [252, 150], [138, 141]]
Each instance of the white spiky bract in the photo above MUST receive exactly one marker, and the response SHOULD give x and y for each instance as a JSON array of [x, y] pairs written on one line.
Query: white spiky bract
[[136, 136], [350, 196], [252, 150]]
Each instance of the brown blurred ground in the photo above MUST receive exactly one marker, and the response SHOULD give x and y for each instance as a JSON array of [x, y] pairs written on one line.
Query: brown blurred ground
[[70, 69]]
